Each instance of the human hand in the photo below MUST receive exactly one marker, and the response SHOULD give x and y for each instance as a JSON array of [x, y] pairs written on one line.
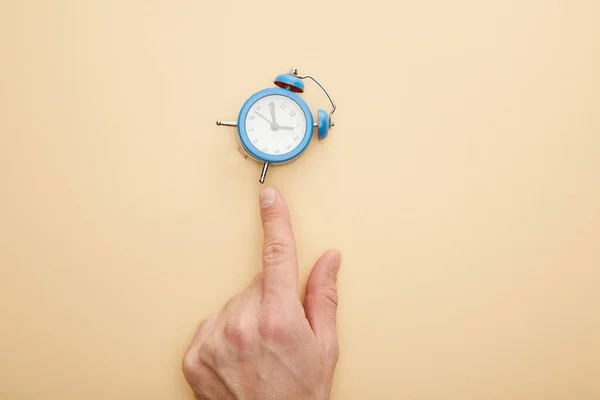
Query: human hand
[[265, 344]]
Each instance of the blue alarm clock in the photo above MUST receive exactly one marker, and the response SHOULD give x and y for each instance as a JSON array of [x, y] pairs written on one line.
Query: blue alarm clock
[[276, 125]]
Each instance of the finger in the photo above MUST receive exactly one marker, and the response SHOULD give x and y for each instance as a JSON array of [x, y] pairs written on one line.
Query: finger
[[321, 300], [280, 265]]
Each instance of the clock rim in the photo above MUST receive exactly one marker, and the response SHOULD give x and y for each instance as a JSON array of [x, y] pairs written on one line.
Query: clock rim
[[274, 158]]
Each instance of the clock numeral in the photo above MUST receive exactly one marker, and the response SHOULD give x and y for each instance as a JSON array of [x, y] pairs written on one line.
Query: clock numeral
[[258, 108], [251, 117], [266, 149], [250, 130], [292, 114], [282, 106], [296, 137], [277, 151], [254, 141], [288, 146]]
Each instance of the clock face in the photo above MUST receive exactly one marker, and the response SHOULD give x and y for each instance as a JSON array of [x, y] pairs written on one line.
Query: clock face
[[275, 124]]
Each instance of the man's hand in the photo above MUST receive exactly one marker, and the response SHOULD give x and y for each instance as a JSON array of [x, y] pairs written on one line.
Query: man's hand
[[265, 344]]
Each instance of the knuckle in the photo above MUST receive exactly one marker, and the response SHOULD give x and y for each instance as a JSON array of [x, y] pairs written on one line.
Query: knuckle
[[237, 333], [272, 214], [327, 293], [198, 363], [274, 251], [191, 364], [331, 295]]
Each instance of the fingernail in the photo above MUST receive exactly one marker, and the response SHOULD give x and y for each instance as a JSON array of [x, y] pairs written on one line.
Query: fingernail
[[334, 264], [267, 197]]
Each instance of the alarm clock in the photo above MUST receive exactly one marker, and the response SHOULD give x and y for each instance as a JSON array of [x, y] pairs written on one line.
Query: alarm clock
[[275, 125]]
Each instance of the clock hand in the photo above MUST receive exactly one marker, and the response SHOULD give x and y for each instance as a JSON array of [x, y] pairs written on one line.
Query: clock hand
[[272, 109], [263, 117], [287, 128]]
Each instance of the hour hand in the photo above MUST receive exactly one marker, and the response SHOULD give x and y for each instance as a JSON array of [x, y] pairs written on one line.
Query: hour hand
[[287, 128], [272, 110]]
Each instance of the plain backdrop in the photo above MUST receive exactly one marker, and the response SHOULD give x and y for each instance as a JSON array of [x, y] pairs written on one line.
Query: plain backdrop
[[461, 182]]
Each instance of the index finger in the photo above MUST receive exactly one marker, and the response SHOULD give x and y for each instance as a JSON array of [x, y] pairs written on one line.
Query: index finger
[[280, 263]]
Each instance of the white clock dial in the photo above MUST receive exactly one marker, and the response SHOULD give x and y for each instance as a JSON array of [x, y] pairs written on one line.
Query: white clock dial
[[275, 124]]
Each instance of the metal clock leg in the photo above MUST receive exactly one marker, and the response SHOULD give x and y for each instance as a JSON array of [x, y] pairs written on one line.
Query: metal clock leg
[[263, 174], [227, 123]]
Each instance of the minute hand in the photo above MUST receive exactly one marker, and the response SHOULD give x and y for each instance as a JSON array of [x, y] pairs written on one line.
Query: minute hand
[[263, 117]]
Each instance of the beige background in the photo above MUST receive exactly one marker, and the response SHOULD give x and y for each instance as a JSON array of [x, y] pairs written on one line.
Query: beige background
[[461, 182]]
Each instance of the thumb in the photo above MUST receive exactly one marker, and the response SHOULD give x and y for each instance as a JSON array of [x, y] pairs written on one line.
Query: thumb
[[321, 300]]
